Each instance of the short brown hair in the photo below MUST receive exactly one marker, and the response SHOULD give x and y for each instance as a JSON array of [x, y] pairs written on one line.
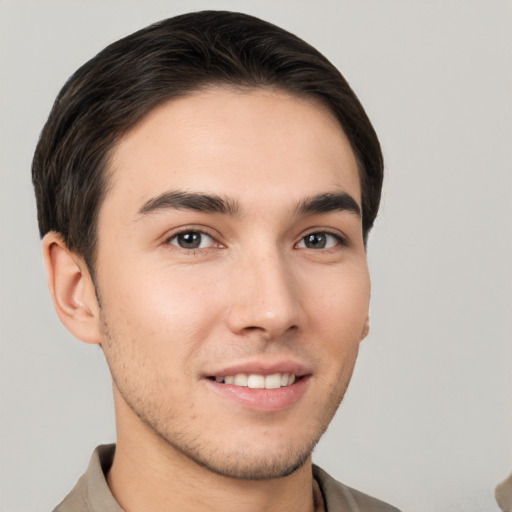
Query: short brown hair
[[110, 93]]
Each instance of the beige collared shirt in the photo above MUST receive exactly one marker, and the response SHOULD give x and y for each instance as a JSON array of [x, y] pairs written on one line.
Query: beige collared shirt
[[92, 494]]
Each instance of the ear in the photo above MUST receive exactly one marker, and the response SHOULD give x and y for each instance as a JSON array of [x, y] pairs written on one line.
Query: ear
[[366, 328], [71, 289]]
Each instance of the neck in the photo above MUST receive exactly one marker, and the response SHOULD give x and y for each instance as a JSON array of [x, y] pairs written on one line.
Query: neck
[[149, 474]]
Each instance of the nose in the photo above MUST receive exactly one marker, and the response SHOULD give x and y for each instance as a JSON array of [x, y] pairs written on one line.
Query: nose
[[265, 296]]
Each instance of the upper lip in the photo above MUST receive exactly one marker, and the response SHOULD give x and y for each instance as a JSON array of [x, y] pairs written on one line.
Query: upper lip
[[262, 368]]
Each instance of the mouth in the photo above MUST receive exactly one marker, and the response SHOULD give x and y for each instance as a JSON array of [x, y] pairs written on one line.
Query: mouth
[[257, 381], [261, 386]]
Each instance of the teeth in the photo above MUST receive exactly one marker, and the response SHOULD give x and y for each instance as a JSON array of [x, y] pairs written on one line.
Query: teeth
[[257, 381], [273, 381], [241, 379]]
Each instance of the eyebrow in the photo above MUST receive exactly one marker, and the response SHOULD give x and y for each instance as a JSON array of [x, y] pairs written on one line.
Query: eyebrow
[[211, 203], [177, 200], [325, 203]]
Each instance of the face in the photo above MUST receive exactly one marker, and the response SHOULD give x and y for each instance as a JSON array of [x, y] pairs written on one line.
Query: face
[[232, 276]]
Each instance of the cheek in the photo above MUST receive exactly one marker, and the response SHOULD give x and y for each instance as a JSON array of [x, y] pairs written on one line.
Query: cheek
[[163, 304], [338, 305]]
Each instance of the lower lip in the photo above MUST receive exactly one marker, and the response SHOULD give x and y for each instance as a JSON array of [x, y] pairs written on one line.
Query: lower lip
[[263, 400]]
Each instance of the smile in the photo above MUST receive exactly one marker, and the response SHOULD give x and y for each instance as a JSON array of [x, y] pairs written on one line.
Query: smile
[[258, 381]]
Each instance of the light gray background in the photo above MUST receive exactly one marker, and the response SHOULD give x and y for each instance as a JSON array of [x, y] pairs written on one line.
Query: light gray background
[[427, 421]]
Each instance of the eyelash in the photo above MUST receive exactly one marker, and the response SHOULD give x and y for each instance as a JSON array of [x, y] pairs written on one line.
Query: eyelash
[[340, 240]]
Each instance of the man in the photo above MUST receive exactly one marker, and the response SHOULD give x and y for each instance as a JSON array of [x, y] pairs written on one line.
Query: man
[[205, 189]]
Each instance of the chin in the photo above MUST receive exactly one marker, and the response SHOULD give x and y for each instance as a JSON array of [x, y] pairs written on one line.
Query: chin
[[250, 466]]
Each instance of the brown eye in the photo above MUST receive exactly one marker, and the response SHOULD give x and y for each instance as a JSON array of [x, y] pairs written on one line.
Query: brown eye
[[192, 240]]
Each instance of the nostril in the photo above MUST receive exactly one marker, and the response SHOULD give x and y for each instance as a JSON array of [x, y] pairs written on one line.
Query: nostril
[[268, 332]]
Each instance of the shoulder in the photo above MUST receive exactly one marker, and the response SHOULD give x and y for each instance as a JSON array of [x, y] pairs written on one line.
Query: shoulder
[[91, 493], [76, 500], [341, 498], [503, 494]]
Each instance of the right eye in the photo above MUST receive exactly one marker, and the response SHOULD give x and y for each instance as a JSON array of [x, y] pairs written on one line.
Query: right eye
[[191, 240]]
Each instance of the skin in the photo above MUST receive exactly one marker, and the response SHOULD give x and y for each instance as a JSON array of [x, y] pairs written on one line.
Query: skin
[[253, 293]]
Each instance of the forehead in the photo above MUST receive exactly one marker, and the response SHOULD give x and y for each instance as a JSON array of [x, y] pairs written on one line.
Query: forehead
[[233, 142]]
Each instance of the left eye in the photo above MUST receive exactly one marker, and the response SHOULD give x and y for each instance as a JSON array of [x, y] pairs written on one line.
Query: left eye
[[192, 240], [319, 240]]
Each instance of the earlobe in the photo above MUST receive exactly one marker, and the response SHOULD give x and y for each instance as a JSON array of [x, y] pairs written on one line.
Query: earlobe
[[366, 328], [71, 289]]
